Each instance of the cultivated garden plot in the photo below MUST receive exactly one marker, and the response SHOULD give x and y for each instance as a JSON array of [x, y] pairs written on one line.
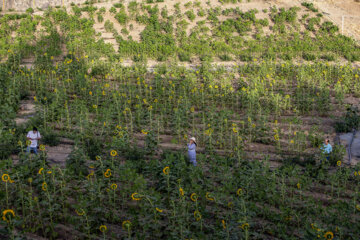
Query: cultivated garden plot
[[112, 160]]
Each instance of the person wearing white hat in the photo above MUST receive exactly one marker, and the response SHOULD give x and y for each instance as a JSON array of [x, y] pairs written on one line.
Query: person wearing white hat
[[192, 150]]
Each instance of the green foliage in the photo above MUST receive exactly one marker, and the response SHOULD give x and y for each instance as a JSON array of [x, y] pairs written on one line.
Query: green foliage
[[350, 121], [309, 6], [122, 17]]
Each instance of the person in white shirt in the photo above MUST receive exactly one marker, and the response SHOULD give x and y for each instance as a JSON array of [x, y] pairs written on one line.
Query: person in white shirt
[[33, 136]]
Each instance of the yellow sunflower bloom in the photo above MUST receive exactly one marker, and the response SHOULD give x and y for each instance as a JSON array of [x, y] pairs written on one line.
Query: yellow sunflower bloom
[[194, 197], [135, 196], [126, 224], [42, 147], [40, 170], [329, 235], [5, 177], [209, 196], [7, 211], [223, 223], [107, 174], [44, 186], [103, 228], [338, 163], [159, 210], [239, 192], [181, 191], [245, 226], [166, 170], [197, 215], [358, 207], [113, 153], [80, 212], [114, 186]]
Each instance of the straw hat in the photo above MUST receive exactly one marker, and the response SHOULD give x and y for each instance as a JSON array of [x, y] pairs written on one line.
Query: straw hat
[[193, 139]]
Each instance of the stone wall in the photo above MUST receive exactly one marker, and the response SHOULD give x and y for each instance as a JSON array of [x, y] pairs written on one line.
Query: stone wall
[[22, 5]]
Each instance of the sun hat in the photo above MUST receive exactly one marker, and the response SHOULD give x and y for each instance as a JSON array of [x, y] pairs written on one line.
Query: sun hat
[[193, 140]]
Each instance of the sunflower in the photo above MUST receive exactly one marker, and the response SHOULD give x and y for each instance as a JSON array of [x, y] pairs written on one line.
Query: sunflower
[[181, 191], [239, 191], [223, 223], [5, 212], [357, 207], [107, 174], [126, 224], [98, 158], [113, 153], [230, 204], [209, 196], [103, 228], [166, 170], [298, 185], [197, 215], [40, 170], [80, 212], [245, 226], [28, 142], [42, 147], [329, 235], [5, 177], [44, 186], [194, 197], [159, 210], [338, 163], [144, 132], [135, 196], [113, 186]]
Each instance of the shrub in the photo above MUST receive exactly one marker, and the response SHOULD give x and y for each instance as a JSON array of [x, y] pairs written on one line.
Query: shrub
[[122, 17], [350, 121], [190, 14], [309, 56], [184, 56], [30, 11], [50, 138]]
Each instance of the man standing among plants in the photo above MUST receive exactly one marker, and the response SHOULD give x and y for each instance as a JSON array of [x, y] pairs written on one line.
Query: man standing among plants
[[33, 136], [326, 148]]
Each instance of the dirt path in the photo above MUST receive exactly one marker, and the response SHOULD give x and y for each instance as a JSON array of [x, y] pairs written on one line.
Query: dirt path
[[26, 111]]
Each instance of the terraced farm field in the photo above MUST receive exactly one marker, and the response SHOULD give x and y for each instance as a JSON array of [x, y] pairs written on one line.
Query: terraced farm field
[[118, 88]]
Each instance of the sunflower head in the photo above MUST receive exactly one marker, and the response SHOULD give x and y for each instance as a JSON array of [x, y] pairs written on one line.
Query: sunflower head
[[166, 170], [126, 224], [181, 191], [239, 192], [6, 213], [223, 223], [245, 226], [5, 177], [42, 147], [114, 186], [159, 210], [113, 153], [209, 196], [103, 228], [194, 197], [80, 212], [135, 196], [107, 174], [329, 235], [338, 163], [197, 215], [44, 186]]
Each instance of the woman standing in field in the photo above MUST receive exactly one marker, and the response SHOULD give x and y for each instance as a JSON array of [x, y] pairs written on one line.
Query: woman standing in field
[[192, 150]]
